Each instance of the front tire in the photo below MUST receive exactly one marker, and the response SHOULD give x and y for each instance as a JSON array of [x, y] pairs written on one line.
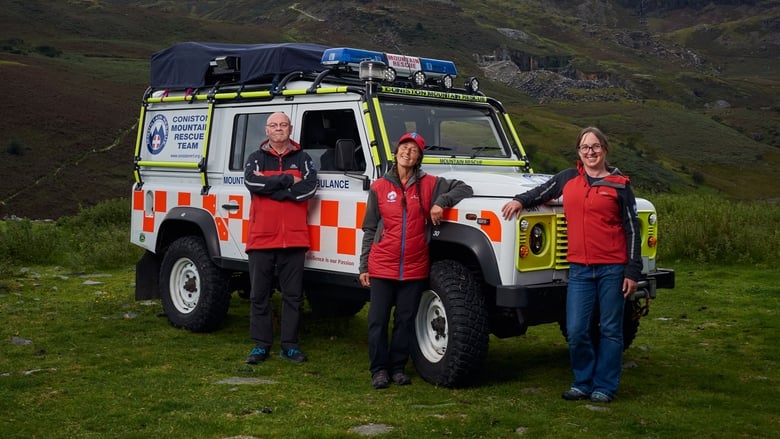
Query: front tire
[[193, 290], [451, 326]]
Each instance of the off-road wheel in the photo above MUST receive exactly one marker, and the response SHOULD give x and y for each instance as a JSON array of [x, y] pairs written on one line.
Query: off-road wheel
[[451, 326], [193, 290]]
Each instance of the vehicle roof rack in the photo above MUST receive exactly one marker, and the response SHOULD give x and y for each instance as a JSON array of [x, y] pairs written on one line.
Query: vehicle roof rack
[[198, 65], [194, 65]]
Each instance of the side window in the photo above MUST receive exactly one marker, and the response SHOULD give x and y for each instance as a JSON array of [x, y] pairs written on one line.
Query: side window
[[321, 129], [248, 133]]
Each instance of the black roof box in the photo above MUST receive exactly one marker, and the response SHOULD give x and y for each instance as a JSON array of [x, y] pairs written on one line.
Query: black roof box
[[186, 65]]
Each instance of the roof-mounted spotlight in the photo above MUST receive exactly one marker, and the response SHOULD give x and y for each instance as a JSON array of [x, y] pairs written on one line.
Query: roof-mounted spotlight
[[372, 70], [418, 78], [446, 82], [472, 84], [390, 75]]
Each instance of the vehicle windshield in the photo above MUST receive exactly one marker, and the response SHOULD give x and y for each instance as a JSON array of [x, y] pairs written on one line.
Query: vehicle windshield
[[450, 130]]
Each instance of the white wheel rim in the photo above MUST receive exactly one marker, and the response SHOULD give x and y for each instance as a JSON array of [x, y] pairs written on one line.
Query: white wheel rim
[[431, 327], [184, 285]]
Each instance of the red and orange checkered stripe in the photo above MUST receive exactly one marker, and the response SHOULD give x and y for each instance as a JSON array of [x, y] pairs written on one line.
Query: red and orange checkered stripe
[[334, 225]]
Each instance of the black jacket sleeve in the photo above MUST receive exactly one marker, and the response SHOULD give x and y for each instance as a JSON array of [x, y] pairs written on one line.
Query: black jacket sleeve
[[627, 205], [551, 189]]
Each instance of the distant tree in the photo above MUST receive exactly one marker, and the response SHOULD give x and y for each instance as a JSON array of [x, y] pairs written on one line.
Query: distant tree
[[698, 177], [51, 52], [15, 147], [13, 45]]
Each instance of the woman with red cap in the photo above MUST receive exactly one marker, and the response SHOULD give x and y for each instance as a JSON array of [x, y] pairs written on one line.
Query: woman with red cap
[[402, 207]]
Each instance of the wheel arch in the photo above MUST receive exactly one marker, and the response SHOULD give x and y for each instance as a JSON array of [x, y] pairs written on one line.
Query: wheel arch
[[479, 250], [186, 221]]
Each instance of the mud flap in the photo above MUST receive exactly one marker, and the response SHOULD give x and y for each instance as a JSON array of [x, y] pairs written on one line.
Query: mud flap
[[147, 274]]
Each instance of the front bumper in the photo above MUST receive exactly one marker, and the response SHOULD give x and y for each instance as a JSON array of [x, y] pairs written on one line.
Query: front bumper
[[517, 296]]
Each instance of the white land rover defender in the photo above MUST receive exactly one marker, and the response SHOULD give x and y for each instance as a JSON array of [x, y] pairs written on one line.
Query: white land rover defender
[[203, 115]]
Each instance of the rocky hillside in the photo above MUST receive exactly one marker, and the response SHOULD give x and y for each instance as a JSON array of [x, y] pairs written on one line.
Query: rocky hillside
[[687, 90]]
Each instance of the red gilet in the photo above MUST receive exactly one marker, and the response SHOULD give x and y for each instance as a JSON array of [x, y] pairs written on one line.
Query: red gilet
[[401, 253], [595, 224]]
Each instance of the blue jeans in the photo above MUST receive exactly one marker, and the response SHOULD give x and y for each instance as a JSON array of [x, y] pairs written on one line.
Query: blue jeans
[[595, 290]]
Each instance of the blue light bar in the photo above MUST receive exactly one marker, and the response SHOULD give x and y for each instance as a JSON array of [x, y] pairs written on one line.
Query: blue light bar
[[439, 66], [404, 65], [347, 56]]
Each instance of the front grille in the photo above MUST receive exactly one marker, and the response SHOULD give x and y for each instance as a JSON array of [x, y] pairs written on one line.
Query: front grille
[[561, 242]]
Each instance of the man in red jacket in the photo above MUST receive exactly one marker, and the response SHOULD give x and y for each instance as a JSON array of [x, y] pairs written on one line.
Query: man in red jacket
[[281, 178]]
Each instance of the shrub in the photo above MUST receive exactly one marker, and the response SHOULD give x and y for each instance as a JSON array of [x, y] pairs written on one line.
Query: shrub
[[28, 242], [713, 229], [51, 52], [15, 147], [96, 238]]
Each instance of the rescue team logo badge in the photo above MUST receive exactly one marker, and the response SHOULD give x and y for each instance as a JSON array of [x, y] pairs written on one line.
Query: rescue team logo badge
[[157, 134]]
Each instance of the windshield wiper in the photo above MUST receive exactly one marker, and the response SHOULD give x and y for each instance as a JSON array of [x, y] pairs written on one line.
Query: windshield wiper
[[479, 149]]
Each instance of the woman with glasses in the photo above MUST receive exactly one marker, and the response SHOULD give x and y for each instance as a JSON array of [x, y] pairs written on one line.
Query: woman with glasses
[[604, 257], [402, 207]]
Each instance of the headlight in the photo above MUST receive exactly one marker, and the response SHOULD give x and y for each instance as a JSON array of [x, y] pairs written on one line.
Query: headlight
[[537, 239]]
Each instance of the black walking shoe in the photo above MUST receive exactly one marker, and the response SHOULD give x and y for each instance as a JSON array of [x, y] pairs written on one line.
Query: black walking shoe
[[294, 355], [257, 356], [380, 380], [401, 379]]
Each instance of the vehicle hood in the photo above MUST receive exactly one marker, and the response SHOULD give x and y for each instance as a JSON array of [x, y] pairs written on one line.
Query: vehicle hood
[[509, 184], [496, 184]]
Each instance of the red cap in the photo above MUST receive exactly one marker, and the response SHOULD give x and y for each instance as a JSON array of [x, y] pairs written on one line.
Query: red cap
[[416, 138]]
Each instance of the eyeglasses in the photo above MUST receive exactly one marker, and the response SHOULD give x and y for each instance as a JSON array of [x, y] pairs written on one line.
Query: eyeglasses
[[596, 147], [274, 126]]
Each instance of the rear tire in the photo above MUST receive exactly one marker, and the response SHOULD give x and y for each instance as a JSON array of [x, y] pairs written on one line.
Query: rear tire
[[193, 290], [451, 326], [324, 305]]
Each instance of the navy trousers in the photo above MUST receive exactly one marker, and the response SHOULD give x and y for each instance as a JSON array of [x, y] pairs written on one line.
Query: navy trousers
[[264, 267]]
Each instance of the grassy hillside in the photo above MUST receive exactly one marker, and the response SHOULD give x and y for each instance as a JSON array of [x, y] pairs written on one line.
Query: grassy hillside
[[699, 108]]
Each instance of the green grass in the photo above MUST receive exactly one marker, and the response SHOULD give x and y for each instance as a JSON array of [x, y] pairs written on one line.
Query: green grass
[[101, 365], [705, 364]]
